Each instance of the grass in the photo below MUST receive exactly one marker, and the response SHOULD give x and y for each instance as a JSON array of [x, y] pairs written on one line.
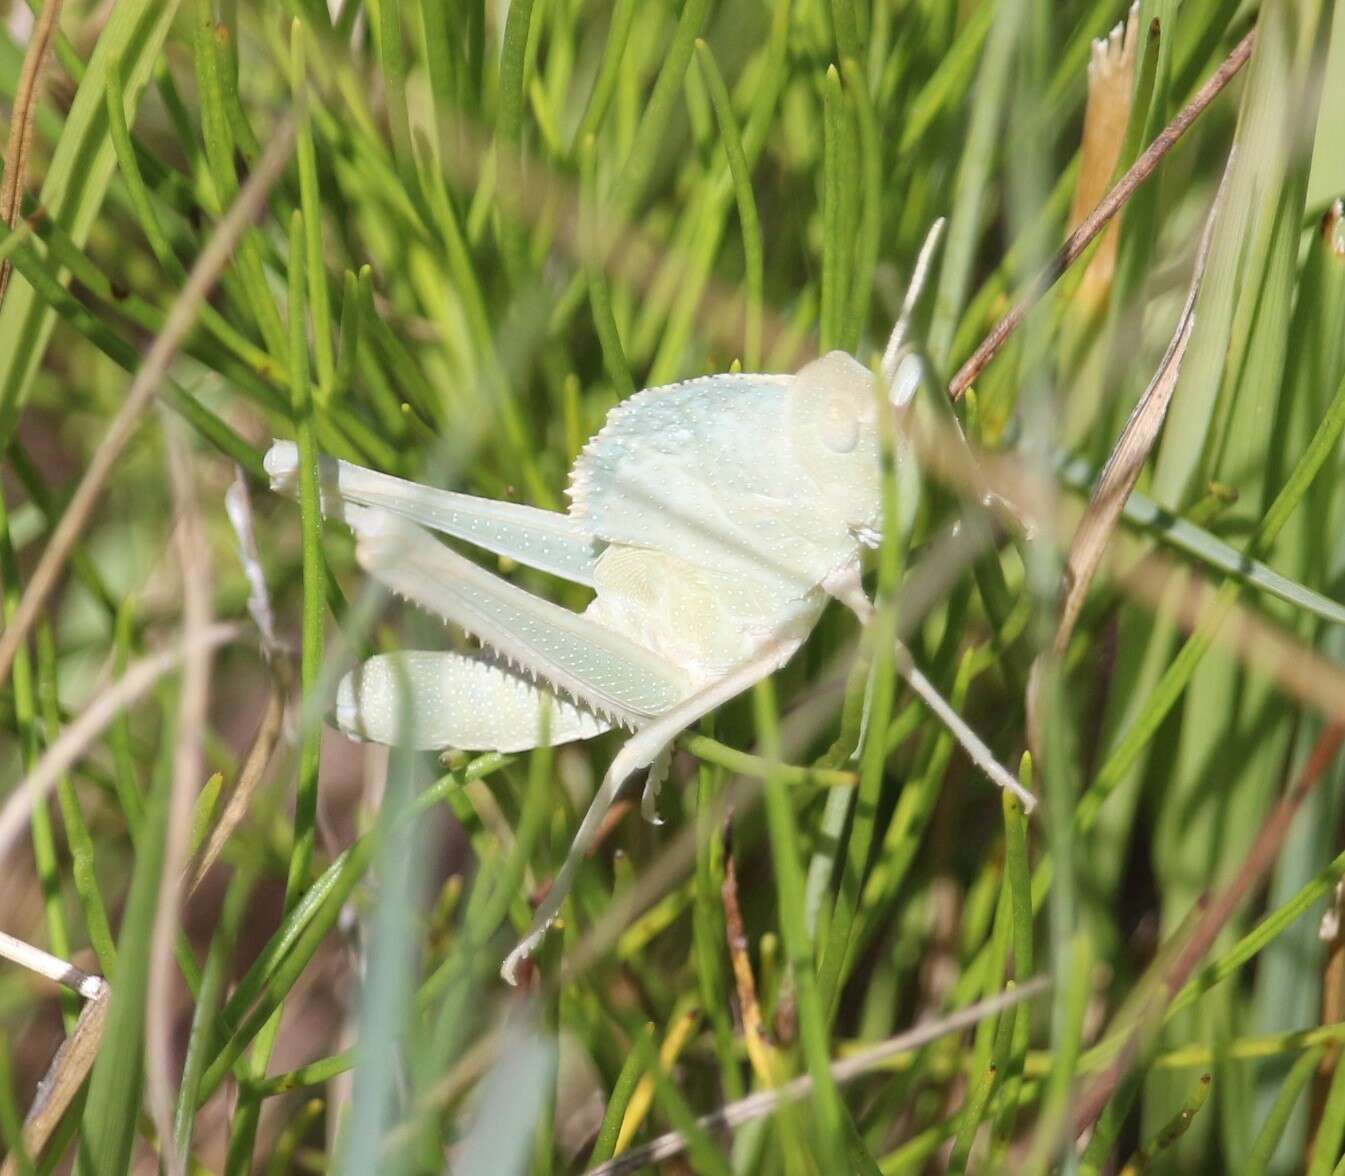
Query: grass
[[494, 222]]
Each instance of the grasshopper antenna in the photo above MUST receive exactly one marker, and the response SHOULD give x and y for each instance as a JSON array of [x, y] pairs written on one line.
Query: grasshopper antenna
[[892, 354]]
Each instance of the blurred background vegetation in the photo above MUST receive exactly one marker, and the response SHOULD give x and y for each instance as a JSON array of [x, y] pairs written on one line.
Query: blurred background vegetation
[[491, 224]]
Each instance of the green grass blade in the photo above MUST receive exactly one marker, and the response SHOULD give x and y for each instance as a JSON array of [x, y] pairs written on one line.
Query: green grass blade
[[76, 182], [748, 220], [111, 1110]]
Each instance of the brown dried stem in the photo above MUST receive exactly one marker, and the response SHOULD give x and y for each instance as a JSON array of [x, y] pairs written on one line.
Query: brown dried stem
[[1097, 220], [63, 1079], [73, 1059], [21, 123], [259, 756], [1119, 475], [754, 1027], [1212, 921], [1122, 471]]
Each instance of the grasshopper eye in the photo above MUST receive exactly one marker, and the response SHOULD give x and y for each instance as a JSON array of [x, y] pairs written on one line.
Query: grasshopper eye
[[830, 410], [839, 426], [831, 415]]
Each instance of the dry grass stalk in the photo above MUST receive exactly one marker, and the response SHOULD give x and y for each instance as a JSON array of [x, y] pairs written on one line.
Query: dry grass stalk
[[271, 729], [76, 739], [765, 1102], [217, 253], [1005, 483], [1097, 220], [1111, 92], [253, 772], [73, 1059], [21, 122], [188, 763], [754, 1027], [1122, 471], [1260, 858], [63, 1079]]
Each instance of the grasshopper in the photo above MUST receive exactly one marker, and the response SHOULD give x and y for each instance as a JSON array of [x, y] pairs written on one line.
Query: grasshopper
[[713, 520]]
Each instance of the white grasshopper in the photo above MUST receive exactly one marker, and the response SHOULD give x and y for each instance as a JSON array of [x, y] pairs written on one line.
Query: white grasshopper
[[713, 519]]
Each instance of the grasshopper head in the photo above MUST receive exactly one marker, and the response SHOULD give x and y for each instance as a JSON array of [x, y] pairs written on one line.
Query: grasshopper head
[[833, 432]]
